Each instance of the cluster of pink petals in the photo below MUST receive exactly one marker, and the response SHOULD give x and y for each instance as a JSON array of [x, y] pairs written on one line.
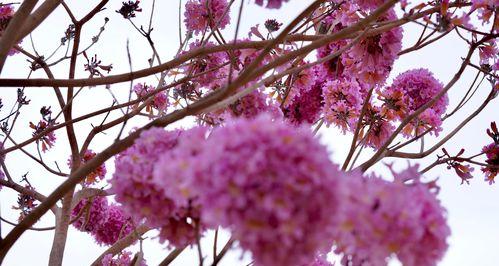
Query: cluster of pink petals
[[116, 226], [305, 100], [274, 187], [305, 106], [132, 179], [376, 127], [320, 261], [142, 197], [213, 64], [381, 219], [252, 105], [415, 88], [6, 14], [106, 223], [123, 259], [91, 212], [203, 15], [491, 151], [343, 99], [47, 140], [266, 181], [369, 4], [489, 53], [160, 100], [95, 176], [486, 10], [371, 60], [271, 3]]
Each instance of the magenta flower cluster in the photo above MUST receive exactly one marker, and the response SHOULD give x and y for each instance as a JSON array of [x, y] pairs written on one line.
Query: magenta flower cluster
[[271, 3], [124, 258], [253, 177], [401, 218], [205, 15], [142, 197], [107, 223], [6, 14], [273, 186], [159, 100], [96, 175], [415, 88]]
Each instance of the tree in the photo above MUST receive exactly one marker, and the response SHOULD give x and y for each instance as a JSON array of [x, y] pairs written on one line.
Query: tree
[[249, 163]]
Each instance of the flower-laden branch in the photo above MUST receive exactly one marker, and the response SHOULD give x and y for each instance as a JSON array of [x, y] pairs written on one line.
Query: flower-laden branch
[[255, 101], [382, 151]]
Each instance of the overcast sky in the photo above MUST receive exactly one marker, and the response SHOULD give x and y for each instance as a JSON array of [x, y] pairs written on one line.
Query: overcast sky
[[472, 210]]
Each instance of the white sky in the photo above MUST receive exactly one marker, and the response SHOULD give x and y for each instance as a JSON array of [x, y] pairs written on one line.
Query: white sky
[[472, 210]]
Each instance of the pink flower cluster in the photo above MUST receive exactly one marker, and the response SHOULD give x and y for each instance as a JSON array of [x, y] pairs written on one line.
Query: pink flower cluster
[[252, 105], [98, 174], [141, 196], [343, 101], [6, 14], [204, 15], [271, 3], [116, 226], [274, 187], [401, 218], [408, 92], [320, 261], [491, 151], [305, 100], [264, 180], [486, 10], [91, 214], [371, 60], [48, 140], [106, 223], [159, 101], [213, 64], [124, 258]]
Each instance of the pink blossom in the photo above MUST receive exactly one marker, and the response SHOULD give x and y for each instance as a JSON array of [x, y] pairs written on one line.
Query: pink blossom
[[124, 258], [6, 14], [492, 153], [91, 214], [47, 140], [305, 102], [265, 181], [371, 60], [132, 179], [116, 226], [415, 88], [173, 172], [342, 103], [376, 128], [271, 3], [159, 101], [213, 64], [398, 218], [320, 261], [98, 174], [201, 15]]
